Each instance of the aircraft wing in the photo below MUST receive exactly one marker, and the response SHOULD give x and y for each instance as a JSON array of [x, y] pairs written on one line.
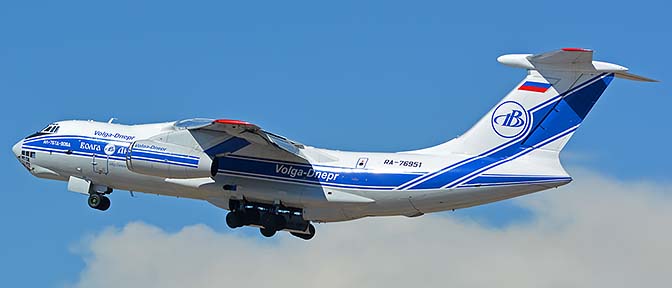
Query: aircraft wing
[[237, 134]]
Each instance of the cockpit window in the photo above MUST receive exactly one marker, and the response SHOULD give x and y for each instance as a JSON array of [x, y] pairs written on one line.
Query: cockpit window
[[51, 129]]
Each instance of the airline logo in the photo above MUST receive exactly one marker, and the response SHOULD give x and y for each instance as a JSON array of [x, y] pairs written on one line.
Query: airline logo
[[509, 119], [512, 119], [534, 86], [109, 149]]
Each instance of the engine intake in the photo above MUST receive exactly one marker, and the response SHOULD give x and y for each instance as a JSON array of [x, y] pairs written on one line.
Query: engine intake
[[154, 158]]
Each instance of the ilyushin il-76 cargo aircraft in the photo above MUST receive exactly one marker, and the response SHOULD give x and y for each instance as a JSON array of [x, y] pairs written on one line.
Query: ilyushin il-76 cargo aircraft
[[268, 181]]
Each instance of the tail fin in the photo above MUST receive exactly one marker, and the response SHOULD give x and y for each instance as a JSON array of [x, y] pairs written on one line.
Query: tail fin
[[544, 109]]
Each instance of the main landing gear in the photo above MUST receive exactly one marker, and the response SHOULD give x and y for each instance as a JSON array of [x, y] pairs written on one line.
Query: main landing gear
[[269, 218], [99, 201]]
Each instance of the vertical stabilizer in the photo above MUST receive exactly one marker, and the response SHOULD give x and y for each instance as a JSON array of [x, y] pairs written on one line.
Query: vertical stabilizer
[[542, 111]]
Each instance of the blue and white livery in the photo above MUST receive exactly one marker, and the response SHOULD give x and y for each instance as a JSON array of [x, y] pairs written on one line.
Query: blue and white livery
[[274, 183]]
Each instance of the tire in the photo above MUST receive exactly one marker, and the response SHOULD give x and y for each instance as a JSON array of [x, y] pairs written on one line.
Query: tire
[[105, 204], [267, 232], [233, 220], [95, 200], [267, 220], [280, 222], [274, 222], [311, 231], [99, 202], [251, 217]]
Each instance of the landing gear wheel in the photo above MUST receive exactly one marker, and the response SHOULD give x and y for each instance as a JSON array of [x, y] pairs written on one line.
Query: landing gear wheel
[[310, 235], [106, 204], [273, 222], [99, 202], [235, 220], [267, 232]]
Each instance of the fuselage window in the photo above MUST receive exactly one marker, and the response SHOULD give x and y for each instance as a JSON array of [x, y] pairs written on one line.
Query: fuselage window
[[27, 154]]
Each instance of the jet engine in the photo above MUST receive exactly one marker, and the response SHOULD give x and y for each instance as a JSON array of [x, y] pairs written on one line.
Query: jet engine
[[155, 158]]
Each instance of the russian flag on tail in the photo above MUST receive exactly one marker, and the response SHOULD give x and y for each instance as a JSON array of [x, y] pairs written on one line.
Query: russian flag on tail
[[534, 86]]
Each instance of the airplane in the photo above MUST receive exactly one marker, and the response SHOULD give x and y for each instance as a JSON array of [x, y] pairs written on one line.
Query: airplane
[[276, 184]]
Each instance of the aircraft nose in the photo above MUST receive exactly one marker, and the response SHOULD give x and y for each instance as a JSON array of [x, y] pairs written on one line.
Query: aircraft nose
[[17, 148]]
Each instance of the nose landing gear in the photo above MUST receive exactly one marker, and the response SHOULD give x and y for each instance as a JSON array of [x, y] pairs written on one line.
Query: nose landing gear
[[99, 202], [269, 218]]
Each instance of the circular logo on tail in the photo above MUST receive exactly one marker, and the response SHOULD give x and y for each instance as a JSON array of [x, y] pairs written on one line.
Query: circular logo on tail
[[510, 119]]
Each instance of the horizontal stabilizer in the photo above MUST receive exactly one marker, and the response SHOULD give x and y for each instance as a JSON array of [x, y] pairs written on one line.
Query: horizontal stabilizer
[[568, 59], [630, 76]]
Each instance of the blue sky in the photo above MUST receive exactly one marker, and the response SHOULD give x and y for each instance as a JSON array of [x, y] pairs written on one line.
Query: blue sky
[[349, 75]]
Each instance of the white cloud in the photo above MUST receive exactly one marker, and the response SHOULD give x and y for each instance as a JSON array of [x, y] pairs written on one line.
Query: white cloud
[[594, 232]]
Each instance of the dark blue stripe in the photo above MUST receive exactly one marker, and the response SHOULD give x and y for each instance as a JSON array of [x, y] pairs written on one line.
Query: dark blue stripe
[[58, 151], [313, 174], [543, 104], [160, 157], [526, 151], [336, 185], [504, 179], [448, 168], [167, 153], [584, 100], [231, 145], [170, 163], [467, 168], [564, 115], [517, 183], [304, 164], [52, 136], [75, 145]]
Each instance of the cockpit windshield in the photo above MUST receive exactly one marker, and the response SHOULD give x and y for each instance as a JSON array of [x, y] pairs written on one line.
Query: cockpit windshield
[[50, 129], [193, 123]]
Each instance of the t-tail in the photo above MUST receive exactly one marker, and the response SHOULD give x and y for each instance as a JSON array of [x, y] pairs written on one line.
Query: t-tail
[[524, 133]]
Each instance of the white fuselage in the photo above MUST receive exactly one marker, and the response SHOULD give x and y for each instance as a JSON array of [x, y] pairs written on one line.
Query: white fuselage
[[276, 184], [332, 186]]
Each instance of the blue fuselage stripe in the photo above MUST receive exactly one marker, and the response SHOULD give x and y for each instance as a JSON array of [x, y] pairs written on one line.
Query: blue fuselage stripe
[[160, 157], [318, 175], [89, 146]]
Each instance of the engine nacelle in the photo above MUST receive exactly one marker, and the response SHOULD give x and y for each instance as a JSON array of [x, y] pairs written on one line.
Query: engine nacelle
[[168, 160]]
